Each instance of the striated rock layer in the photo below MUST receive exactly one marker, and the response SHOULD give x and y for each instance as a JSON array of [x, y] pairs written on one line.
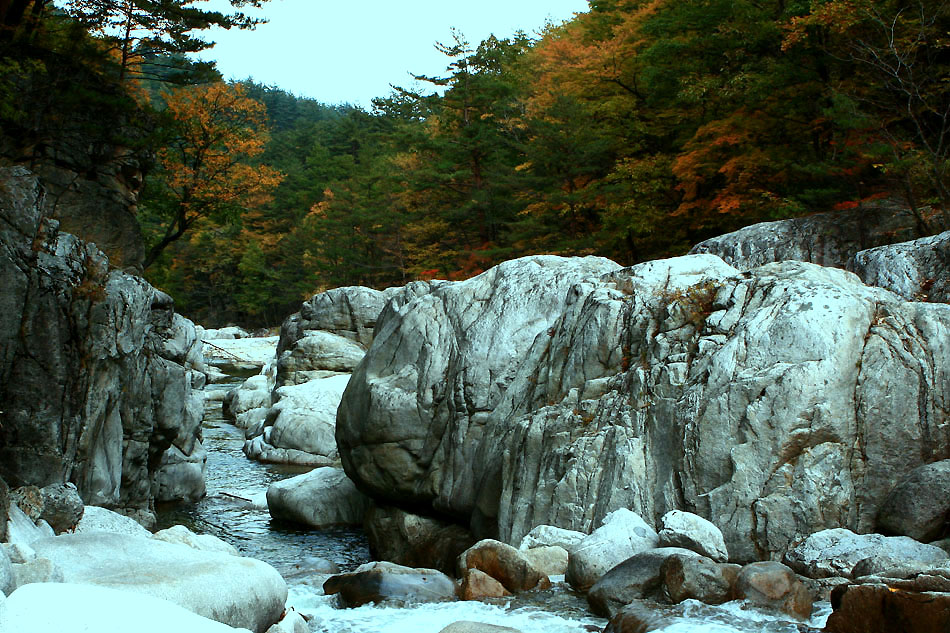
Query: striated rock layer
[[774, 402], [92, 385]]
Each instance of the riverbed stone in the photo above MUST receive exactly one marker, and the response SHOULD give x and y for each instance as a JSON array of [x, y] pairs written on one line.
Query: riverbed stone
[[835, 552], [685, 529], [98, 519], [303, 417], [181, 535], [253, 393], [62, 506], [697, 578], [639, 616], [317, 354], [544, 535], [322, 498], [551, 560], [37, 569], [502, 562], [477, 585], [879, 605], [636, 577], [919, 505], [237, 591], [292, 622], [22, 530], [180, 476], [84, 607], [622, 535], [379, 582], [772, 585]]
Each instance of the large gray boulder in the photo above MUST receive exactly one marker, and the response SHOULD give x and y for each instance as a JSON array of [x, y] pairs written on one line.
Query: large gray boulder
[[764, 400], [240, 592], [828, 239], [322, 498], [835, 552], [316, 355], [92, 390], [551, 391], [302, 418], [637, 577], [918, 270], [685, 529], [622, 535], [415, 410], [349, 311], [390, 583], [919, 505]]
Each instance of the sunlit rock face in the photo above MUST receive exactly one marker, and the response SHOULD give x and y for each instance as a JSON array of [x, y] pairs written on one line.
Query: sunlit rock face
[[416, 408], [92, 389], [774, 402]]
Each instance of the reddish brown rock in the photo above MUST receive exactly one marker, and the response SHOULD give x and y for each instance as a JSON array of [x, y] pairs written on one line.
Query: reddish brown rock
[[503, 563], [879, 608], [772, 585], [477, 585]]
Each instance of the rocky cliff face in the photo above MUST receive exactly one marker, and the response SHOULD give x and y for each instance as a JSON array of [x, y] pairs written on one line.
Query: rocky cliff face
[[774, 402], [92, 389]]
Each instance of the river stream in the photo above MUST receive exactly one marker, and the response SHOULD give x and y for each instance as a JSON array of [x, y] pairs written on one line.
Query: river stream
[[235, 510]]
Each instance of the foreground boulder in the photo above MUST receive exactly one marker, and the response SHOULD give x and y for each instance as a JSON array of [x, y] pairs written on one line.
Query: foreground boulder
[[635, 578], [685, 529], [504, 563], [918, 603], [387, 582], [413, 415], [240, 592], [772, 585], [84, 607], [835, 552], [322, 498], [697, 578], [622, 535]]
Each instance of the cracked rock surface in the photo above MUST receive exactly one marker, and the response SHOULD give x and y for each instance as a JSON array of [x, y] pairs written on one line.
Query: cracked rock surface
[[774, 402]]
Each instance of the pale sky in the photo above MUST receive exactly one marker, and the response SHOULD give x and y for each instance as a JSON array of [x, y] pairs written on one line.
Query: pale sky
[[349, 52]]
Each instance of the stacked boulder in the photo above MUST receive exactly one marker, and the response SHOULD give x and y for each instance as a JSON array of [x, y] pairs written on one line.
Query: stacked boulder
[[97, 373]]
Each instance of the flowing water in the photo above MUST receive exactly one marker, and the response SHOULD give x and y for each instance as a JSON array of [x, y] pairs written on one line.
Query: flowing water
[[235, 510]]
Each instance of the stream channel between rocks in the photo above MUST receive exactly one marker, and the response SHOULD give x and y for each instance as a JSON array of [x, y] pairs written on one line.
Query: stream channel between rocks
[[235, 510]]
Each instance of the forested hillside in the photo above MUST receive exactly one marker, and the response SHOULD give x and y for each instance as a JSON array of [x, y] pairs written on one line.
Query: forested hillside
[[633, 131]]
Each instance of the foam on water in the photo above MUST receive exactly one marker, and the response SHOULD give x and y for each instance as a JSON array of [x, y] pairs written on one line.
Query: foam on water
[[432, 618]]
